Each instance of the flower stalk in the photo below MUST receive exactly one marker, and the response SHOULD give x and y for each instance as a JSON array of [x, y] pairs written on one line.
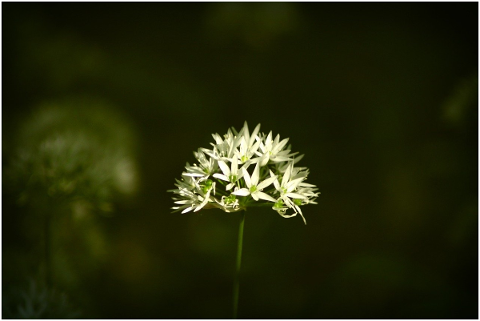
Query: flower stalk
[[236, 284]]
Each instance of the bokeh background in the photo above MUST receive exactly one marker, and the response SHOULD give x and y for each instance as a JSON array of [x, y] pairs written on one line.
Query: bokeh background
[[103, 104]]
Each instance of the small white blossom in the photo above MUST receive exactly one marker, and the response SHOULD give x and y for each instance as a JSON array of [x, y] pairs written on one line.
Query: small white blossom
[[253, 187], [231, 175], [272, 150], [249, 144], [287, 189], [194, 199], [223, 148], [229, 204], [288, 185]]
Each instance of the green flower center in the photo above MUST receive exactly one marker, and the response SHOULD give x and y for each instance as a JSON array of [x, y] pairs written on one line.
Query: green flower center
[[278, 204], [207, 185], [244, 159], [230, 199], [297, 201], [232, 178], [253, 189]]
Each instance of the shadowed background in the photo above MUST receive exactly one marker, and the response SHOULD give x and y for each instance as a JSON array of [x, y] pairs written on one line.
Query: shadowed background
[[381, 98]]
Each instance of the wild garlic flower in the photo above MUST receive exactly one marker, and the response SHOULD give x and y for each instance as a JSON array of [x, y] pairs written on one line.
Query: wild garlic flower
[[254, 188], [231, 175], [243, 170]]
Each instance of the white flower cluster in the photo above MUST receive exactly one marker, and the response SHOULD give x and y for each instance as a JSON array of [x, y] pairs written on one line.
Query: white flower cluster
[[221, 179]]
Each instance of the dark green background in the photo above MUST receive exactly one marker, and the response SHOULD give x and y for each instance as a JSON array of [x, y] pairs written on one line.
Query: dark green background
[[381, 98]]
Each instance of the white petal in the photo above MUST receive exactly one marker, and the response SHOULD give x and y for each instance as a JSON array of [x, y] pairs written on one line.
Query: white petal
[[255, 176], [268, 141], [205, 201], [263, 196], [264, 159], [290, 186], [234, 170], [306, 184], [243, 147], [246, 132], [234, 145], [188, 209], [224, 168], [255, 146], [281, 145], [241, 192], [266, 183], [221, 176], [275, 182], [297, 159], [286, 176], [183, 202], [246, 176], [253, 160], [218, 138], [295, 195], [277, 139], [304, 220], [254, 134], [263, 149], [288, 201], [279, 159], [193, 174], [297, 209]]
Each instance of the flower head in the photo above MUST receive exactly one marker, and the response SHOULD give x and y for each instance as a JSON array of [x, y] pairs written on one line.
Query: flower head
[[223, 177]]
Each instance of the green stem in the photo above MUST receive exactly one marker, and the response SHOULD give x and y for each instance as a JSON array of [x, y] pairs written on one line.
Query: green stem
[[236, 285]]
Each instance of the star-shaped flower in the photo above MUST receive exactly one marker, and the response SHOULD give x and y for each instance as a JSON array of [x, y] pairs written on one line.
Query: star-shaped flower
[[288, 196], [231, 175], [273, 150], [254, 188]]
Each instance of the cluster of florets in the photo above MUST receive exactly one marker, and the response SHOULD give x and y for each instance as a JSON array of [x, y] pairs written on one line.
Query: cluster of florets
[[243, 170]]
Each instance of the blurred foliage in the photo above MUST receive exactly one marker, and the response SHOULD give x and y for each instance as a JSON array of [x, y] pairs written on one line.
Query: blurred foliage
[[382, 97], [75, 151], [40, 302], [73, 159]]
